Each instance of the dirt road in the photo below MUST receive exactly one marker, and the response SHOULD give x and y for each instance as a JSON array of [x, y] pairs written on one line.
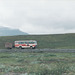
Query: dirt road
[[39, 50]]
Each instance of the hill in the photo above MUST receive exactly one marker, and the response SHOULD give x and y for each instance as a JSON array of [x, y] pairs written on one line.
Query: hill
[[57, 41], [5, 31]]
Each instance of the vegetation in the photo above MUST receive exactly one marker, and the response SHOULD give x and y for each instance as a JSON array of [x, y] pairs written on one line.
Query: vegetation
[[37, 64], [57, 41]]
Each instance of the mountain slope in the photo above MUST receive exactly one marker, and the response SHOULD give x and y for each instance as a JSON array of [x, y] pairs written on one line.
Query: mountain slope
[[5, 31]]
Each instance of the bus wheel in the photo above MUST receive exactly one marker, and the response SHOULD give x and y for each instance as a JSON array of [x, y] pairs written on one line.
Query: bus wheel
[[20, 47], [32, 47]]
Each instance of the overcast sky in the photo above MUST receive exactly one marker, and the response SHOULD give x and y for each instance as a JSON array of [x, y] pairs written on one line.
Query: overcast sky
[[38, 16]]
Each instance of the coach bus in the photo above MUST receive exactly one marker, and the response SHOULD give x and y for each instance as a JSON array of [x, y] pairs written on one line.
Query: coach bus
[[26, 44]]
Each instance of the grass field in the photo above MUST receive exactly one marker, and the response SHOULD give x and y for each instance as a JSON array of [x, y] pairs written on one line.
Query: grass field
[[37, 63], [58, 41]]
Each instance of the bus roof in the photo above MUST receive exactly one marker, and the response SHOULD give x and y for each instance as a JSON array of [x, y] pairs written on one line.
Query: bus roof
[[25, 40]]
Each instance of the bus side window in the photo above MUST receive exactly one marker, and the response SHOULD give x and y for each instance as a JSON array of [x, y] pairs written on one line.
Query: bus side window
[[16, 42], [22, 42], [25, 42], [19, 42]]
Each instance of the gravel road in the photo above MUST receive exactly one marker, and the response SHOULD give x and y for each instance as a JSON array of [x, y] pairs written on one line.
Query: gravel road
[[39, 50]]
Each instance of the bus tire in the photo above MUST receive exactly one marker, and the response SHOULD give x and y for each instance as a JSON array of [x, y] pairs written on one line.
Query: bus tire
[[20, 47], [32, 47]]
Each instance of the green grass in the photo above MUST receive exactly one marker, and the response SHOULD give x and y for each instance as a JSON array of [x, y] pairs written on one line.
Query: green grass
[[57, 41], [37, 63]]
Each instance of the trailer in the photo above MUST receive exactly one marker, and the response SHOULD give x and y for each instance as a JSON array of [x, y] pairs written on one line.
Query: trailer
[[8, 45]]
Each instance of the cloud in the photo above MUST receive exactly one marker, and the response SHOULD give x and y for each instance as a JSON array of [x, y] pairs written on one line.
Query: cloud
[[38, 16]]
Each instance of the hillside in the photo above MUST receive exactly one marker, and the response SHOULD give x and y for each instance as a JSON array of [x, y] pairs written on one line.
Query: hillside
[[58, 41], [5, 31]]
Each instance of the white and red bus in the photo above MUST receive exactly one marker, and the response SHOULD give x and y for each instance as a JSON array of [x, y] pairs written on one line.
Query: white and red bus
[[26, 44]]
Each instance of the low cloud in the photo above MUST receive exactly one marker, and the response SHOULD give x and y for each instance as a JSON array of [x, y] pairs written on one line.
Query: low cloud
[[38, 16]]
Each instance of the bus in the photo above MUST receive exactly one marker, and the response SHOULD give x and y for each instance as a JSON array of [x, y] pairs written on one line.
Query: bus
[[25, 44]]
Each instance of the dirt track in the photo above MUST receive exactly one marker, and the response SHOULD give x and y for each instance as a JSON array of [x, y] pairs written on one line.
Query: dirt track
[[39, 50]]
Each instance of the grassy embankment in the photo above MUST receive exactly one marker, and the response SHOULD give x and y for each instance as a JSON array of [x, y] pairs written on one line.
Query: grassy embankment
[[59, 41], [37, 64]]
